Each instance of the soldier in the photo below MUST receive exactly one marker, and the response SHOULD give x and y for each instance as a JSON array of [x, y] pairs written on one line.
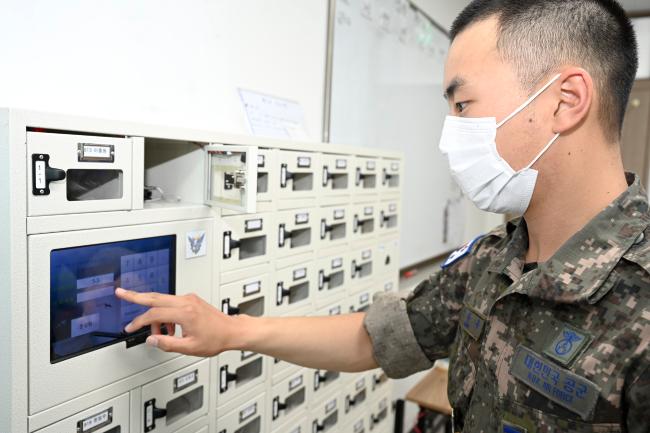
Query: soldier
[[546, 320]]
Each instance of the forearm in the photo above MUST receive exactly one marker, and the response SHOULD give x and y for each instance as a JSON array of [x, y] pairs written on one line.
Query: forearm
[[336, 343]]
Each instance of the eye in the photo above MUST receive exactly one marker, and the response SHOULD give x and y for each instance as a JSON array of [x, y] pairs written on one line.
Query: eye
[[460, 106]]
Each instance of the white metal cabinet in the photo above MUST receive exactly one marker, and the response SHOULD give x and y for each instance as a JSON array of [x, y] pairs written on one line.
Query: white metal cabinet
[[365, 224], [333, 278], [391, 176], [337, 177], [288, 397], [245, 240], [335, 226], [366, 176], [294, 288], [247, 416], [297, 232], [327, 415]]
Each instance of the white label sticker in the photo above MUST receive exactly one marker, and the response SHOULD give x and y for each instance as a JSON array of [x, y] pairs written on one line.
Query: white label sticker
[[383, 404], [388, 287], [260, 160], [368, 210], [339, 214], [299, 274], [335, 311], [364, 298], [330, 406], [40, 174], [341, 163], [295, 383], [304, 161], [296, 430], [394, 166], [186, 380], [366, 254], [392, 207], [252, 225], [370, 165], [252, 288], [337, 263], [358, 427], [196, 244], [94, 421], [248, 412], [360, 383], [302, 218]]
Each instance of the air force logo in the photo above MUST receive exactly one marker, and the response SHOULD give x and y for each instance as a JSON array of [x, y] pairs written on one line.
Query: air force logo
[[195, 244], [567, 344], [460, 252]]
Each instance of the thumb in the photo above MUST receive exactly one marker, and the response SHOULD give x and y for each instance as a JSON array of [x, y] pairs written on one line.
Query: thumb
[[168, 343]]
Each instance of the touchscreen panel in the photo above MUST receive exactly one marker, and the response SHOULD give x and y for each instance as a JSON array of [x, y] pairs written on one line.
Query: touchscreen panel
[[85, 314]]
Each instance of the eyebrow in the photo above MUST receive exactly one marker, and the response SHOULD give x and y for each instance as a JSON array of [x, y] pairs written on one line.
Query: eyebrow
[[454, 85]]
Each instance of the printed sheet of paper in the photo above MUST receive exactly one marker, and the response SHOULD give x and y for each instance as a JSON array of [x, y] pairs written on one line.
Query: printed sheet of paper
[[270, 116]]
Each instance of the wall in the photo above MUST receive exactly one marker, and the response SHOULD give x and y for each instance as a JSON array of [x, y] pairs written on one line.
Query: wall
[[442, 12], [161, 61], [642, 27]]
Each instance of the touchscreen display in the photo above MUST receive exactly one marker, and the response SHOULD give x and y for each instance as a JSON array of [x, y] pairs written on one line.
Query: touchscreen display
[[85, 314]]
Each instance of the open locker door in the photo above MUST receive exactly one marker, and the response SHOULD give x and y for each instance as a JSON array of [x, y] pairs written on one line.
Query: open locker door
[[231, 177]]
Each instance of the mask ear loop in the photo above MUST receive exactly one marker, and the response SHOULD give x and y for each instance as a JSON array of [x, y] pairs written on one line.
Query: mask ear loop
[[540, 154], [527, 103]]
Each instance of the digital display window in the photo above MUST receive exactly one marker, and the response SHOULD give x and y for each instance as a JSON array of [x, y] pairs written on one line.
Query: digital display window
[[85, 314]]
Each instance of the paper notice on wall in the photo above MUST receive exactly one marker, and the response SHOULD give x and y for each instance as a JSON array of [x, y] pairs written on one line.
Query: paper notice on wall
[[270, 116]]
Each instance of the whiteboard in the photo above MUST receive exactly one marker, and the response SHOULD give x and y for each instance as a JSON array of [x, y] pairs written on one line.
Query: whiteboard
[[387, 75], [161, 61]]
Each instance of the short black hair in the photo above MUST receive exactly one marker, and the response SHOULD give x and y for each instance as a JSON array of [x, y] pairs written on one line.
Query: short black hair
[[539, 36]]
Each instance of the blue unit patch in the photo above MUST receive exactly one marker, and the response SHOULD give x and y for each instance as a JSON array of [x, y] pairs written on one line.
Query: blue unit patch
[[461, 252], [506, 427]]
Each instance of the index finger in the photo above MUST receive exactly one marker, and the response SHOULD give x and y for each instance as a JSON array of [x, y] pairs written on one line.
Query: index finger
[[149, 299]]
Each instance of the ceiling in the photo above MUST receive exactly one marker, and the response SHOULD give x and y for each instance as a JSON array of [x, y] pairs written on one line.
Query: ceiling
[[635, 5]]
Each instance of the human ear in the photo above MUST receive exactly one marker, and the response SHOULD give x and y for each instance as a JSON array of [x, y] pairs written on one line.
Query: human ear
[[575, 96]]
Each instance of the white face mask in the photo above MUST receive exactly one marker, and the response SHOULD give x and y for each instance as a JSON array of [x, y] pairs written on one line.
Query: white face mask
[[484, 177]]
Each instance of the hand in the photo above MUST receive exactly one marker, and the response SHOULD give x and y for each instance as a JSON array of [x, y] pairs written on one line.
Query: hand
[[204, 328]]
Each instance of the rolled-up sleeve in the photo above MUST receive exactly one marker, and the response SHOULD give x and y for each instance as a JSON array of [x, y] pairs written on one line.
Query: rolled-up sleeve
[[409, 334]]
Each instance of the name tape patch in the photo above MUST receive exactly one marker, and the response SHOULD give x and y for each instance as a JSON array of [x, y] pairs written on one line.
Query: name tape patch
[[471, 323], [558, 384]]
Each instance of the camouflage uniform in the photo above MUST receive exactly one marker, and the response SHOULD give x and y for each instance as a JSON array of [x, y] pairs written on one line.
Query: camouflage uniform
[[561, 348]]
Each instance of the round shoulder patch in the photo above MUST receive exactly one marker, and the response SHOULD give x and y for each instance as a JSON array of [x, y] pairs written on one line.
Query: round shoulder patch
[[461, 252]]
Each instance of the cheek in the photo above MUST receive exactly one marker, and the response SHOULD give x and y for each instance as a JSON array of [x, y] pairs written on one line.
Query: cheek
[[518, 143]]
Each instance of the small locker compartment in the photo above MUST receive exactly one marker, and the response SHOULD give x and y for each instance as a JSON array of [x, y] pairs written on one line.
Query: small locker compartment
[[297, 424], [246, 414], [391, 173], [334, 309], [333, 277], [381, 414], [366, 176], [231, 177], [378, 383], [248, 296], [338, 174], [324, 382], [237, 372], [297, 231], [81, 345], [294, 287], [327, 415], [388, 217], [360, 302], [69, 173], [176, 399], [288, 397], [245, 240], [266, 180], [388, 256], [299, 176], [335, 226], [111, 416], [361, 267], [355, 396], [198, 426], [365, 223], [359, 424]]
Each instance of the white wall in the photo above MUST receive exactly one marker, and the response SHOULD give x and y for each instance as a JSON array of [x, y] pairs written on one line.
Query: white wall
[[442, 12], [642, 27], [163, 61]]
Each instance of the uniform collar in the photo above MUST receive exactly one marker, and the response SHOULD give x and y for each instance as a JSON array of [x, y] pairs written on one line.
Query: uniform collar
[[577, 271]]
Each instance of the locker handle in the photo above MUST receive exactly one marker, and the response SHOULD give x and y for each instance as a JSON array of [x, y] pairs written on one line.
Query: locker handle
[[377, 379], [319, 379], [325, 228], [360, 176], [387, 177], [229, 244], [43, 174], [281, 293], [285, 175], [225, 378], [283, 235], [277, 407], [151, 414], [317, 427], [323, 279], [383, 219], [327, 176], [356, 268], [349, 402], [226, 308]]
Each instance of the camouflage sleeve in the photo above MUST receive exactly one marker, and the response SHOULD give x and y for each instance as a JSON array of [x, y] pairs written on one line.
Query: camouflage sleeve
[[408, 334], [638, 404]]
